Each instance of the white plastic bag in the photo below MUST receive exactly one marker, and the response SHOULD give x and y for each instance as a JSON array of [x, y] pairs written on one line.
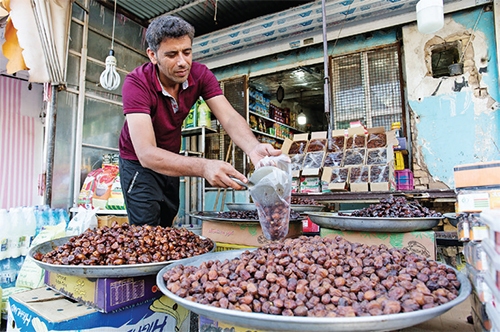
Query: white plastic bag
[[83, 220], [271, 193]]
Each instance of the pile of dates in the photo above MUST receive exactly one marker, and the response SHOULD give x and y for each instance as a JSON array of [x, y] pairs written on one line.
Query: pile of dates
[[127, 244], [247, 214], [296, 200], [318, 277], [395, 207]]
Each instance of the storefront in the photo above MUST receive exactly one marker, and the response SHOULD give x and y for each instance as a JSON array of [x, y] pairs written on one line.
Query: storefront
[[381, 71]]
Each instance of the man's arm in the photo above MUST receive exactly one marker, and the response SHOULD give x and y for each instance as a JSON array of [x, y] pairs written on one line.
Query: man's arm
[[237, 128], [216, 172]]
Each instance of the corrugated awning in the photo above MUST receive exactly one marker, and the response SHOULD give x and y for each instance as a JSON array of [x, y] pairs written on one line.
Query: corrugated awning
[[41, 29]]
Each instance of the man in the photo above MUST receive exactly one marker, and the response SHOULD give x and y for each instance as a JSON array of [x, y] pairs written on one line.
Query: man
[[157, 96]]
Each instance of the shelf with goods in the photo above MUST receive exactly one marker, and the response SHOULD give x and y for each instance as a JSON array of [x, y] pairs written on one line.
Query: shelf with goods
[[270, 130], [193, 145]]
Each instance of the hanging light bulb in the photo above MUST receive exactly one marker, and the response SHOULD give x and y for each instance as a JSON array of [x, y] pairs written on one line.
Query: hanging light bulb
[[301, 118], [110, 80]]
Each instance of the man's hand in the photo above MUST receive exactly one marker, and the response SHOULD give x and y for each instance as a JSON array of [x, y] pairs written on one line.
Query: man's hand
[[262, 150], [218, 173]]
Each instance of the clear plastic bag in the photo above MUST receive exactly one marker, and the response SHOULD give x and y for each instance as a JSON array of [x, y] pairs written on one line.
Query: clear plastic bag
[[272, 193]]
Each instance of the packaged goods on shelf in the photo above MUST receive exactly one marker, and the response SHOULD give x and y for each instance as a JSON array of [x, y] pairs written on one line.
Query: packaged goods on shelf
[[475, 255], [399, 161], [377, 156], [491, 219], [404, 179], [478, 200], [356, 138], [493, 264]]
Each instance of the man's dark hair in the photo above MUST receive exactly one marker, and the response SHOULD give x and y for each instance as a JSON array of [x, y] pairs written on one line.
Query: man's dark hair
[[167, 27]]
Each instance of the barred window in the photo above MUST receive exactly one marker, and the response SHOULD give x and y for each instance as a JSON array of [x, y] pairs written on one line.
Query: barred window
[[367, 86]]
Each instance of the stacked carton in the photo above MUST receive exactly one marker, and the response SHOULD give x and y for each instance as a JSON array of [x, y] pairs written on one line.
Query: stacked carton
[[478, 204], [355, 159]]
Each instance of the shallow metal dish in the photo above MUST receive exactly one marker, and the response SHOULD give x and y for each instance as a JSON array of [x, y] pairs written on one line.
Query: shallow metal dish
[[241, 206], [214, 215], [332, 220], [453, 218], [300, 208], [265, 322], [108, 271]]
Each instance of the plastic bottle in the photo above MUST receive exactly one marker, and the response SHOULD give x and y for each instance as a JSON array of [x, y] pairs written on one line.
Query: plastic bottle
[[17, 239], [30, 228], [396, 126], [5, 226]]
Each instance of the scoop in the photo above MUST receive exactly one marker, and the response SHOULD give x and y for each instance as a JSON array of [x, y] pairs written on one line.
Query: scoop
[[257, 175]]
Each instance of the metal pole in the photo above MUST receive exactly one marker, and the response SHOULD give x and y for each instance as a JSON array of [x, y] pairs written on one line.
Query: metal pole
[[327, 89], [50, 142]]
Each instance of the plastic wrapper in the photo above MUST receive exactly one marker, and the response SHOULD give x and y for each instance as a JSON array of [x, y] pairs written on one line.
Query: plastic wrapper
[[359, 174], [333, 159], [354, 156], [339, 175], [317, 144], [272, 194], [379, 173], [376, 156], [376, 140], [314, 159], [356, 141], [297, 147], [297, 161], [335, 144]]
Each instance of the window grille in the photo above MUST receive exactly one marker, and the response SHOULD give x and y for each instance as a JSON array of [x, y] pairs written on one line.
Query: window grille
[[366, 86]]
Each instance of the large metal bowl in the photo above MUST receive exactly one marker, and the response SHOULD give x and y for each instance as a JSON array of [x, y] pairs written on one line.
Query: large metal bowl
[[275, 323], [214, 216], [333, 220], [108, 271], [300, 208], [241, 206]]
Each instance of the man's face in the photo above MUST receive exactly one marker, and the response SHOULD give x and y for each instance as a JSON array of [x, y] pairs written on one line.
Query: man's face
[[174, 58]]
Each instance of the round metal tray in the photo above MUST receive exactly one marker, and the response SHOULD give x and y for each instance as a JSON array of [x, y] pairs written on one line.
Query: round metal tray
[[214, 215], [453, 218], [241, 206], [265, 322], [332, 220], [108, 271], [300, 208]]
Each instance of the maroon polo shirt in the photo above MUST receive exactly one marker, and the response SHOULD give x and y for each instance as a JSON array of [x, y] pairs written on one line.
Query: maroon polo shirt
[[142, 93]]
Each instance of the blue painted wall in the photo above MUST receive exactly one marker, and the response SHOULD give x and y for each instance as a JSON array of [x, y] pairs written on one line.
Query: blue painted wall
[[457, 127]]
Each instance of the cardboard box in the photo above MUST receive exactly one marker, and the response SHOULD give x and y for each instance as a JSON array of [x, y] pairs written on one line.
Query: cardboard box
[[207, 324], [382, 172], [420, 242], [247, 233], [359, 177], [297, 155], [478, 200], [105, 294], [43, 309], [477, 175], [310, 184], [334, 179], [313, 160]]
